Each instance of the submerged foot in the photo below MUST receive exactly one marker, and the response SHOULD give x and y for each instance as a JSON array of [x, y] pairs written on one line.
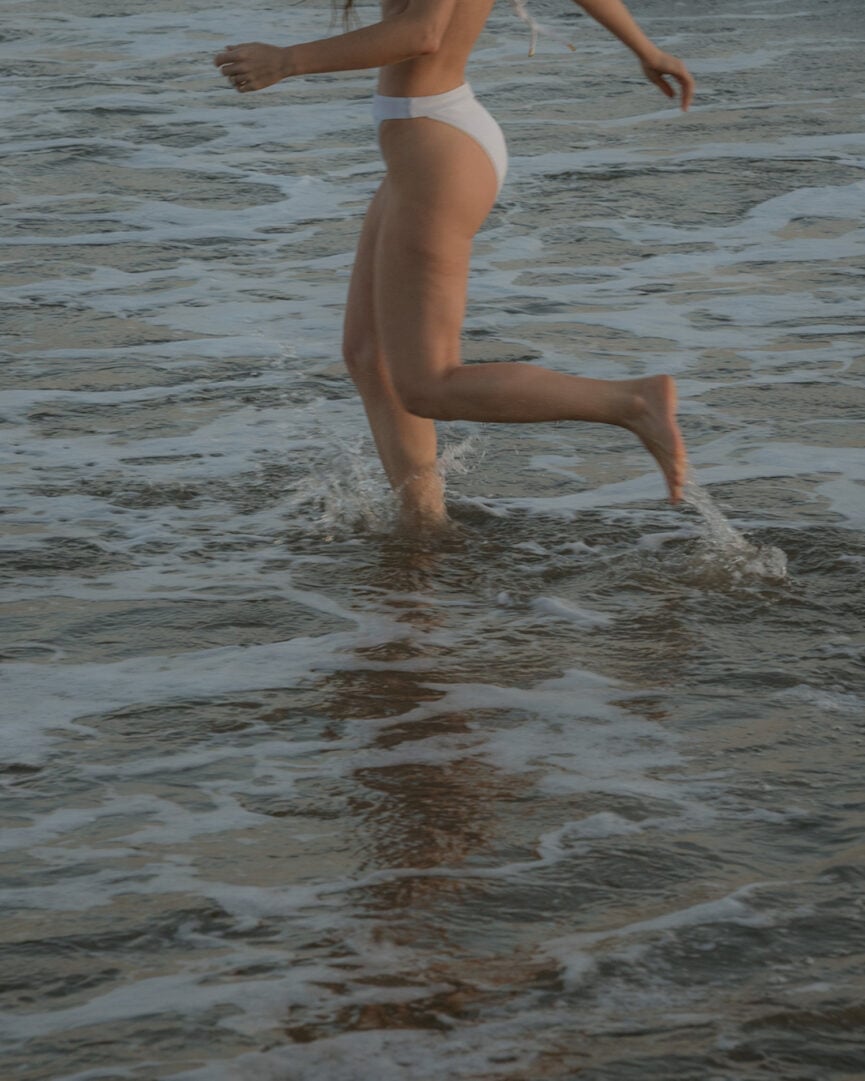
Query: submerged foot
[[422, 504], [423, 523], [653, 419]]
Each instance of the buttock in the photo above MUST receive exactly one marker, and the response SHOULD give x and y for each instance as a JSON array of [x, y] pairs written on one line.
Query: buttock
[[459, 108]]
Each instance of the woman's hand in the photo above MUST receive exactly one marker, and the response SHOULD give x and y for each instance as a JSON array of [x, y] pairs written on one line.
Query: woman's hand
[[662, 64], [253, 66]]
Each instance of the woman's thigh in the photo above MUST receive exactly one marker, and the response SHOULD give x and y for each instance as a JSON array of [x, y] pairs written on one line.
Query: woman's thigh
[[441, 186], [359, 343]]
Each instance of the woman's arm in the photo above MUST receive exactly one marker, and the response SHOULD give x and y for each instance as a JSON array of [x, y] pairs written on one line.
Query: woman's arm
[[416, 31], [615, 17]]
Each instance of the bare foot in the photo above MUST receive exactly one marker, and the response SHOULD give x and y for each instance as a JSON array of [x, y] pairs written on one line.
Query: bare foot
[[652, 418]]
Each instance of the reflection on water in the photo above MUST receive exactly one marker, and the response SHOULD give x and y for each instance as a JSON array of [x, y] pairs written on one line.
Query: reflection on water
[[572, 789]]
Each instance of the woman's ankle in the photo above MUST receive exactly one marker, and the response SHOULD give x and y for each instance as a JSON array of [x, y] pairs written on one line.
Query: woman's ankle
[[421, 499]]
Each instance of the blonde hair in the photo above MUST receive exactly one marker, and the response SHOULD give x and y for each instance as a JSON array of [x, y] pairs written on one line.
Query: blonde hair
[[348, 13], [349, 17]]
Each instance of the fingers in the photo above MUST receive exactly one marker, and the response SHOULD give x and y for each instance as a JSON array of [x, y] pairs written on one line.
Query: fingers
[[231, 63], [673, 68], [226, 56], [251, 66], [238, 76], [686, 82]]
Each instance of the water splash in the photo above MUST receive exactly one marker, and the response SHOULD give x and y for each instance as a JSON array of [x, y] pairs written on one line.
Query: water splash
[[458, 458], [344, 490], [723, 550]]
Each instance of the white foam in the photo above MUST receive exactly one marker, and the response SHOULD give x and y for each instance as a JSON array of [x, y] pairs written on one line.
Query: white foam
[[825, 699], [573, 952], [38, 699], [557, 608], [461, 1055], [170, 995]]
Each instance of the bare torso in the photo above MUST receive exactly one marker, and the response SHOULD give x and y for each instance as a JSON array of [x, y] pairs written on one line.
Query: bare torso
[[443, 70]]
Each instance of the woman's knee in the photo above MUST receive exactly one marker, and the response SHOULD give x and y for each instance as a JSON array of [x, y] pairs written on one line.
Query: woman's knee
[[428, 396], [361, 356]]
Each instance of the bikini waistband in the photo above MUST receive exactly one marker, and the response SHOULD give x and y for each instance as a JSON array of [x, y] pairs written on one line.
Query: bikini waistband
[[457, 94]]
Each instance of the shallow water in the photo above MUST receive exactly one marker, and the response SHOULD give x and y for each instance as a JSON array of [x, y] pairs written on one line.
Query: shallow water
[[572, 791]]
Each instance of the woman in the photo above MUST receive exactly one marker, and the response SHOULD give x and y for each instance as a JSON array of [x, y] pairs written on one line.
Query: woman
[[446, 159]]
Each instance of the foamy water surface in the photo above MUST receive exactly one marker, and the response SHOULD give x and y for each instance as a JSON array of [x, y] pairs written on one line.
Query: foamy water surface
[[574, 791]]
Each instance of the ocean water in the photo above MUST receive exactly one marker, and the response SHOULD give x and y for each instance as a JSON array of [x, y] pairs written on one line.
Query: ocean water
[[575, 791]]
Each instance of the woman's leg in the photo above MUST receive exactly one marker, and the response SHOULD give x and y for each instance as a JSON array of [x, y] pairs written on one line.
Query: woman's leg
[[441, 187], [406, 443]]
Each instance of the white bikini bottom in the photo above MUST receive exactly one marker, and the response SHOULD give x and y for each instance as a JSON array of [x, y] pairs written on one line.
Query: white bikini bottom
[[461, 109]]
